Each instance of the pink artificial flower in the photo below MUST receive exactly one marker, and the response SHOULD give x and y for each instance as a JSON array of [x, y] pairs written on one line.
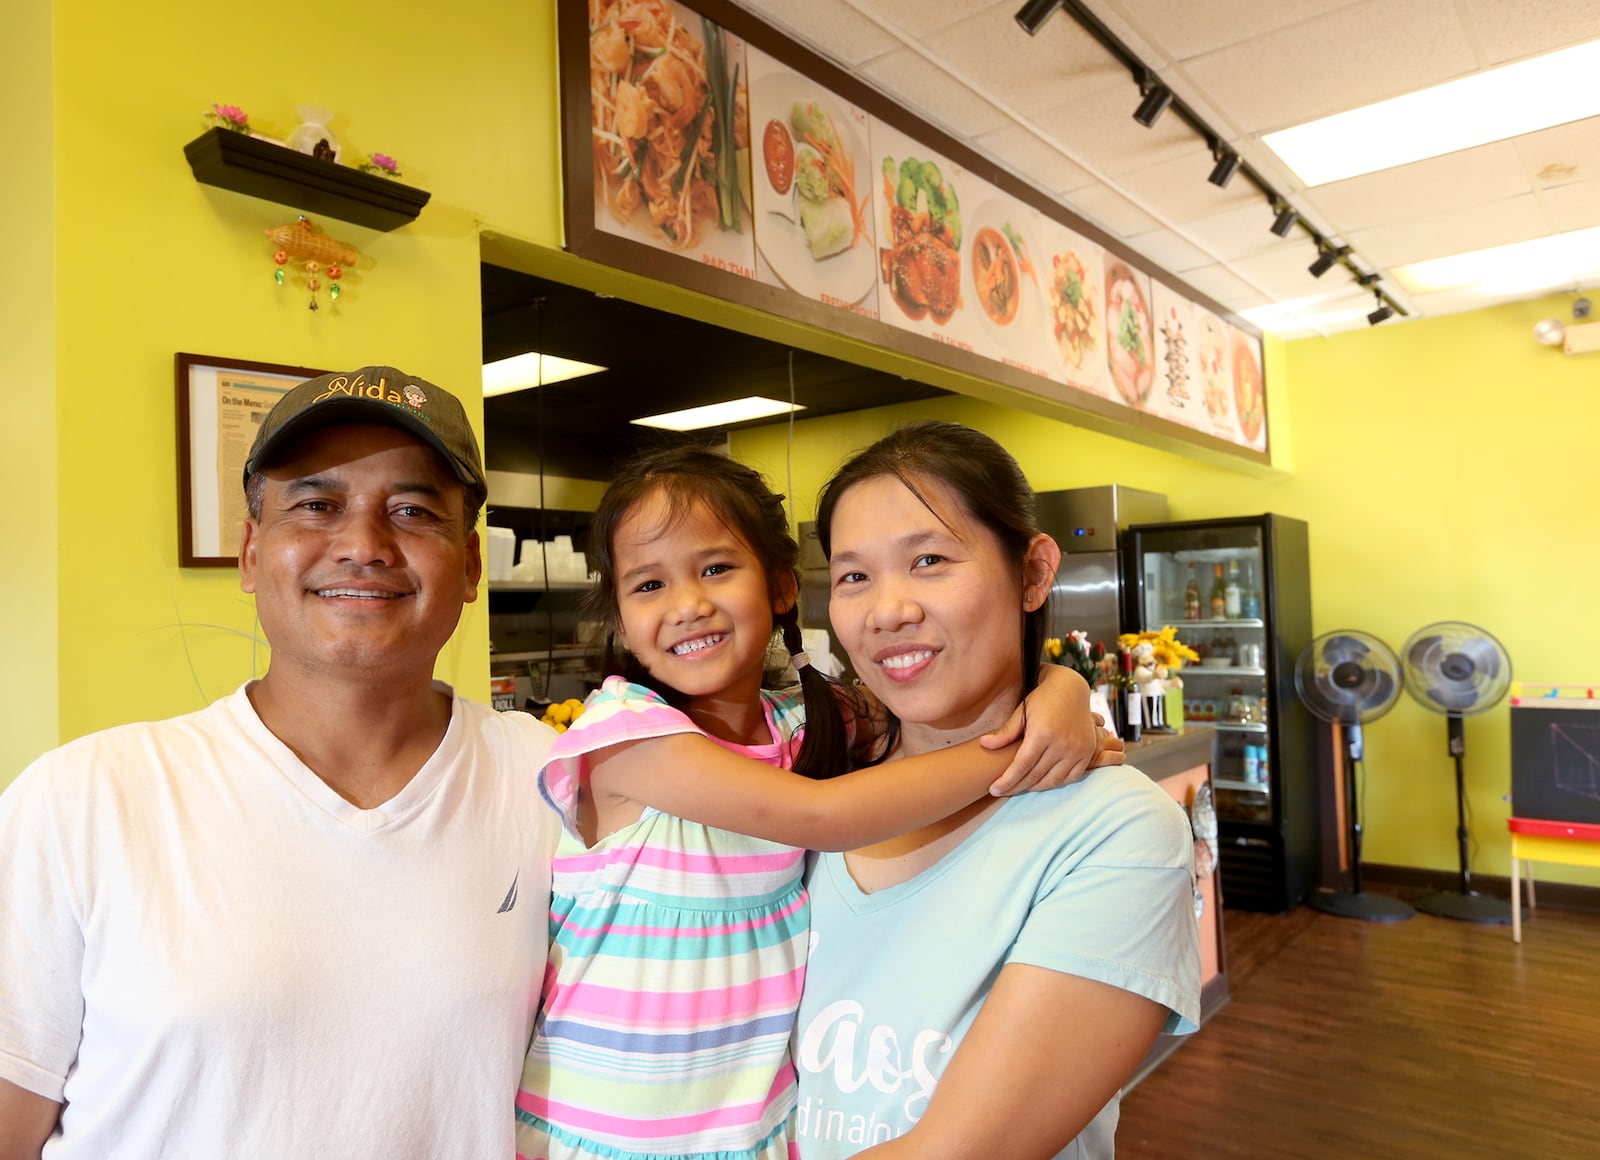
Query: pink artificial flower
[[232, 114], [384, 161]]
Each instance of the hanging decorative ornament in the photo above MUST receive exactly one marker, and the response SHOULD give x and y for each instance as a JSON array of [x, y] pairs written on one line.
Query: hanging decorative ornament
[[313, 283], [315, 252]]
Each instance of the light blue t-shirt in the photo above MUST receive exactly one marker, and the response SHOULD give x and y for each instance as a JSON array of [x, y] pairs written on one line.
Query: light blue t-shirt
[[1094, 880]]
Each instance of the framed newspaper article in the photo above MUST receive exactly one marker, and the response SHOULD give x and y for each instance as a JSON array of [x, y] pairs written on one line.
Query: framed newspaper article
[[221, 403]]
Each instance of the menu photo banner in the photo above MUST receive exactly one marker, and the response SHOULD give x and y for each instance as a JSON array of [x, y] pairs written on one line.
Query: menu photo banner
[[723, 152]]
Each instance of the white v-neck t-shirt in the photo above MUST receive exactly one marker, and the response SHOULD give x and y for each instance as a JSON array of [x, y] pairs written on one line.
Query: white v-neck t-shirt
[[207, 952]]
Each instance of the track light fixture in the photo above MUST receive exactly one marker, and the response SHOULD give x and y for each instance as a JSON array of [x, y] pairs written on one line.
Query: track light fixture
[[1034, 13], [1326, 257], [1156, 99], [1227, 165]]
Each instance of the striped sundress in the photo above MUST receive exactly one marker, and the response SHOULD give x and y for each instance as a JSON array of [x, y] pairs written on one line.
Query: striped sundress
[[677, 956]]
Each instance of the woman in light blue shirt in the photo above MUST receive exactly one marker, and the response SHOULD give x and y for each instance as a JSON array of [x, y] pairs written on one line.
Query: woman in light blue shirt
[[984, 986]]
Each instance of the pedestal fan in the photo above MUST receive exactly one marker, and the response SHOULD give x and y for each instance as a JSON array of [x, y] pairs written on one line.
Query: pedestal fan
[[1458, 670], [1351, 678]]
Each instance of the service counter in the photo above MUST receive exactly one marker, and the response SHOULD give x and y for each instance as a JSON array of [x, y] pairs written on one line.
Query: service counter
[[1181, 763]]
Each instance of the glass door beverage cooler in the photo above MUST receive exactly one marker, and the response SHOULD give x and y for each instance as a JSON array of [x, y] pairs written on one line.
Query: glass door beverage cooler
[[1238, 591]]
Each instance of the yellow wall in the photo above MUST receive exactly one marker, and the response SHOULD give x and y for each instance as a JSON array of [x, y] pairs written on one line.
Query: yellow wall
[[149, 262], [1442, 468], [1435, 461], [28, 386]]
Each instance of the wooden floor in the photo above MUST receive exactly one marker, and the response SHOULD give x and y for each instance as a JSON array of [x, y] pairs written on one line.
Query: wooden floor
[[1424, 1039]]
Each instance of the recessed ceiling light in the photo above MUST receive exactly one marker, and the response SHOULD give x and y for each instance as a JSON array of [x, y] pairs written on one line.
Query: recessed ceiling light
[[1543, 263], [1474, 110], [522, 371], [719, 414]]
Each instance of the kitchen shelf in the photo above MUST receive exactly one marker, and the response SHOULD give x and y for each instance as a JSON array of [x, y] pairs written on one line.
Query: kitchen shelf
[[1221, 671], [1224, 622], [1240, 784], [245, 164]]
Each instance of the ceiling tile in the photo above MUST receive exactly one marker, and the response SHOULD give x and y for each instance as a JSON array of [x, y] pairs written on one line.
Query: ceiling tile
[[1099, 132], [1513, 29], [1224, 286], [1124, 30], [1347, 58], [1238, 232], [1186, 28], [1178, 189], [1563, 154], [1282, 272], [1573, 207], [1485, 174], [1457, 231], [1109, 210], [918, 18], [907, 78], [832, 28], [1167, 250], [1018, 150], [1027, 73]]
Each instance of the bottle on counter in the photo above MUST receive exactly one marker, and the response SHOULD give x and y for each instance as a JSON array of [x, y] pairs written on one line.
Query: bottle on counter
[[1191, 597], [1250, 596], [1230, 592], [1131, 707], [1219, 593]]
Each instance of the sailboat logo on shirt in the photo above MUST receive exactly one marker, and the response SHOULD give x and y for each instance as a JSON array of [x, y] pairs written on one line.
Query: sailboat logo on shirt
[[510, 901]]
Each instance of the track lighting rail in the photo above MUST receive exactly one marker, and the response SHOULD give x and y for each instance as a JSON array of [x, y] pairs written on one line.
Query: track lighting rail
[[1157, 98]]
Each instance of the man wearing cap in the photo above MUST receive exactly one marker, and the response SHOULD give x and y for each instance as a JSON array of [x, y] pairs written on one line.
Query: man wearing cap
[[309, 920]]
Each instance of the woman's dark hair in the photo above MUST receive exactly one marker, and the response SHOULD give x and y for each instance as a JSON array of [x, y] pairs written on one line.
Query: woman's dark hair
[[685, 476], [983, 477]]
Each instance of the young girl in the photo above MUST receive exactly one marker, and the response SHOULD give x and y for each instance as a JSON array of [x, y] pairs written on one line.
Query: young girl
[[980, 987], [679, 920]]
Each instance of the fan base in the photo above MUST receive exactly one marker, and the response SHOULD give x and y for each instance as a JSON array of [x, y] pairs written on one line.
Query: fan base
[[1366, 906], [1473, 907]]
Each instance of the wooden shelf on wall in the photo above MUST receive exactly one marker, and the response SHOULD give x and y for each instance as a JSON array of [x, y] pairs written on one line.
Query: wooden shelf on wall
[[246, 164]]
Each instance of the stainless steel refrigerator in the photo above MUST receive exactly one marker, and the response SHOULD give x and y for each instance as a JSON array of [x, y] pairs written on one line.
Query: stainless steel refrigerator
[[1088, 523], [1239, 592]]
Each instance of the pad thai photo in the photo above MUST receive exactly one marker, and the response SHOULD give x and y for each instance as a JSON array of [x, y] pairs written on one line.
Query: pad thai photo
[[670, 119]]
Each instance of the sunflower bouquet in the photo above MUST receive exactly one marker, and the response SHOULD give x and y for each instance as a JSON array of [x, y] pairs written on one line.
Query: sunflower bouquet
[[1161, 653]]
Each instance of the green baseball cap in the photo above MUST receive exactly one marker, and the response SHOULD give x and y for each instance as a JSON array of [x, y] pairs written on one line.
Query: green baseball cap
[[376, 395]]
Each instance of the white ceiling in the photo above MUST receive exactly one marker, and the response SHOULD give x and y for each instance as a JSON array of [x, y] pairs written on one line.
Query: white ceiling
[[1056, 110]]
